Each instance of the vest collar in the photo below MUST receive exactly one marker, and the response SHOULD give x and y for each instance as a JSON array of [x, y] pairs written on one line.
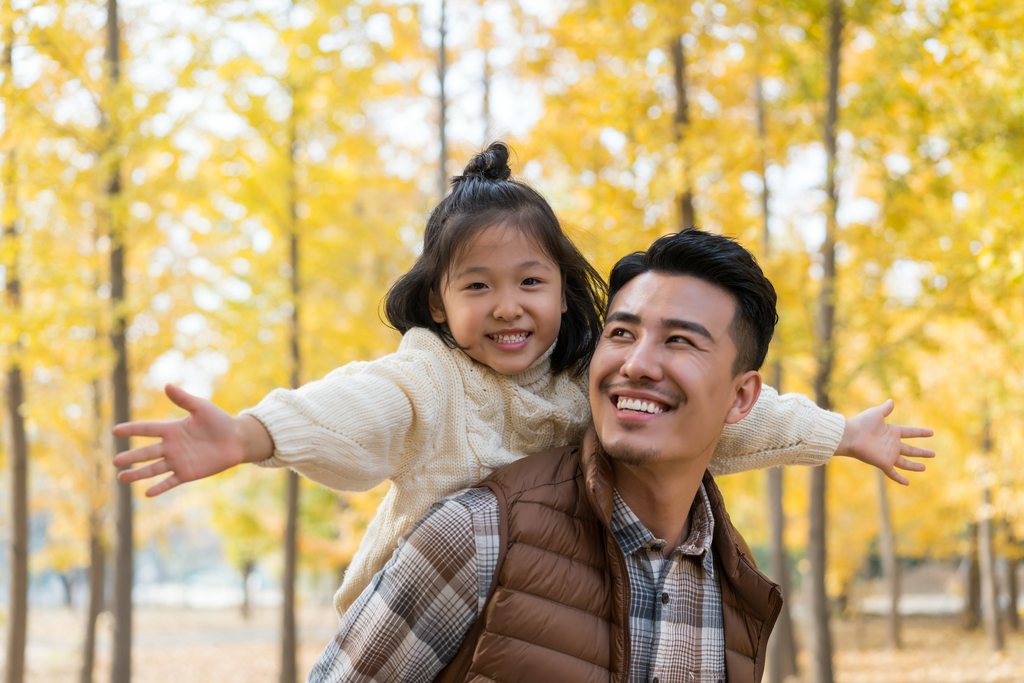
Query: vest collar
[[597, 473]]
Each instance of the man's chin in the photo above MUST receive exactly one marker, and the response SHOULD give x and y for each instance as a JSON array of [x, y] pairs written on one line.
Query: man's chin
[[630, 454]]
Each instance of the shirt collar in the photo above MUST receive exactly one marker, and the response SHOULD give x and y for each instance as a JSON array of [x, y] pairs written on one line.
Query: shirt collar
[[631, 534]]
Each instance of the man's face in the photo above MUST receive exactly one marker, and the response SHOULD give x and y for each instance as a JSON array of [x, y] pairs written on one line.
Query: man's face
[[661, 382]]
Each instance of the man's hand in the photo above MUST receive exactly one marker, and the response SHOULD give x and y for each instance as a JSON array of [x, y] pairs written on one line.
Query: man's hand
[[206, 442], [869, 439]]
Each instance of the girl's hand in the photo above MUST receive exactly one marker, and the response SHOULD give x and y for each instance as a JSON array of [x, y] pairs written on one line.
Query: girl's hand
[[869, 439], [206, 442]]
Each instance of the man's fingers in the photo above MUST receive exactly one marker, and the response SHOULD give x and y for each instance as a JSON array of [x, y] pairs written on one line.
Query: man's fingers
[[152, 428], [897, 477], [137, 455], [162, 486], [914, 432], [182, 398], [915, 451]]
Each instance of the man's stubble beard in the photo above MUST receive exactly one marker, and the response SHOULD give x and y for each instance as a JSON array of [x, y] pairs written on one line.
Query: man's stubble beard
[[628, 455]]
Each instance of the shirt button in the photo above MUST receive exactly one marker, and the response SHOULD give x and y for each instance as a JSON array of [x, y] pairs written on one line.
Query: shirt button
[[664, 598]]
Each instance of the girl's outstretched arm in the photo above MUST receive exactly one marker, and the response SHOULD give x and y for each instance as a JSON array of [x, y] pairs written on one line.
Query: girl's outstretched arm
[[871, 440], [205, 442], [792, 430], [361, 424]]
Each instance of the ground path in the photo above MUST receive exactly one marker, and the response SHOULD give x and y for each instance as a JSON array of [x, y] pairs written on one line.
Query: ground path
[[185, 646]]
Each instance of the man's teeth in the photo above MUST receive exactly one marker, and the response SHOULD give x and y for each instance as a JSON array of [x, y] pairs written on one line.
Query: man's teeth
[[510, 339], [638, 406]]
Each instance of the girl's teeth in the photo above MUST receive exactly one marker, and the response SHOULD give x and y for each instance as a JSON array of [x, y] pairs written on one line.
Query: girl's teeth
[[510, 339], [637, 406]]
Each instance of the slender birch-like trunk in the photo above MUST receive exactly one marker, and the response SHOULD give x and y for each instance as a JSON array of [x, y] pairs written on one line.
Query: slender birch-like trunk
[[682, 125], [818, 626]]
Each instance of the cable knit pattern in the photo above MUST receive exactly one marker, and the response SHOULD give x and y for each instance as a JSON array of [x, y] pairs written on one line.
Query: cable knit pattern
[[434, 421]]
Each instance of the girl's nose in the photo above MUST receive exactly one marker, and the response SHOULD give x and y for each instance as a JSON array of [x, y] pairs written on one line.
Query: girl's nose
[[508, 308]]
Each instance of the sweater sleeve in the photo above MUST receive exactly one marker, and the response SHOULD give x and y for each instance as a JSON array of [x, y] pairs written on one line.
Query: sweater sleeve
[[361, 424], [780, 430]]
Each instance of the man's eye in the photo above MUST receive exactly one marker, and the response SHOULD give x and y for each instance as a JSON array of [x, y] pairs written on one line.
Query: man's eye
[[679, 339], [619, 332]]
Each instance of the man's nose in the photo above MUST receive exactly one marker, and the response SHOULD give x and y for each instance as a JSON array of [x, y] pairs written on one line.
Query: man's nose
[[507, 307], [643, 361]]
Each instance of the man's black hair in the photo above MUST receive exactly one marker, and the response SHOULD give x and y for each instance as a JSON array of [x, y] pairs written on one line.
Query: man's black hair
[[720, 261], [484, 196]]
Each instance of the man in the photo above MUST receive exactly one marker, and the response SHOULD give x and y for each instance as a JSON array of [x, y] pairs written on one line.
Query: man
[[614, 560]]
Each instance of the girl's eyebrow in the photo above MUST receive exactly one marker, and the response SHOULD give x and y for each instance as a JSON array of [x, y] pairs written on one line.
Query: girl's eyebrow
[[485, 269]]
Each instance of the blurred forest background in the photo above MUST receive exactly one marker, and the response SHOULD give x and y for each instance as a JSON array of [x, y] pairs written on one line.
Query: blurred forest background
[[218, 194]]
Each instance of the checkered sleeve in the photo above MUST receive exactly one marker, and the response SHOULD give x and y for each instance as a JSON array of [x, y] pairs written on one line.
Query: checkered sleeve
[[411, 619]]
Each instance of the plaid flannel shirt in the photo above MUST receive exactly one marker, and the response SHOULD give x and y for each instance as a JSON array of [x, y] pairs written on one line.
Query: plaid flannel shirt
[[410, 621]]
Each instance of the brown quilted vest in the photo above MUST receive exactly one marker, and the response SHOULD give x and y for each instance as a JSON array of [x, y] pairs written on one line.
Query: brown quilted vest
[[558, 608]]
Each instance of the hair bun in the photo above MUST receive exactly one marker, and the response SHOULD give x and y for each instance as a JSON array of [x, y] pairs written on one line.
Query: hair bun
[[491, 164]]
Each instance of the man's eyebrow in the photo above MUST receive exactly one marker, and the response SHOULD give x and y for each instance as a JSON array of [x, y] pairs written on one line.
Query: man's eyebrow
[[623, 317], [677, 323], [687, 325]]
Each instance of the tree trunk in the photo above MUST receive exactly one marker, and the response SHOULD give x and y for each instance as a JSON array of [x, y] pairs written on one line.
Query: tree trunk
[[971, 617], [121, 666], [986, 559], [97, 562], [247, 570], [1012, 618], [442, 69], [18, 605], [682, 124], [18, 610], [821, 639], [485, 107], [781, 644], [890, 563], [288, 640]]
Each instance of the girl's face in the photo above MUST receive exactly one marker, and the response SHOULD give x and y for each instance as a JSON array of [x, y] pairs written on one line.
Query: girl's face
[[502, 300]]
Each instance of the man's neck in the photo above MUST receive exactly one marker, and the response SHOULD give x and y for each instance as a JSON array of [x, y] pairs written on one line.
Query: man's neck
[[661, 496]]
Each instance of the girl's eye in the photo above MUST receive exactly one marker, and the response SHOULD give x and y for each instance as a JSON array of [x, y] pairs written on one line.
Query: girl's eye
[[477, 285], [531, 281]]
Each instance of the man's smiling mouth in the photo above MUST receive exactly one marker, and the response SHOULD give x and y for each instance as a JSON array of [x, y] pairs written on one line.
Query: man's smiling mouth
[[635, 405]]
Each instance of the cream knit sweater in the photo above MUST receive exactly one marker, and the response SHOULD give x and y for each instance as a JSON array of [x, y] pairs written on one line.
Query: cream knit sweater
[[434, 421]]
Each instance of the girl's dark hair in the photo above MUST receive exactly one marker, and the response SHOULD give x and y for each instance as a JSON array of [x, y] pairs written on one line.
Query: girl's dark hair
[[486, 195]]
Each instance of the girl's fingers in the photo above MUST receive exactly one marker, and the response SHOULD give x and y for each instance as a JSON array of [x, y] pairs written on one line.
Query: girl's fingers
[[164, 485], [152, 428], [137, 455], [887, 407], [916, 452], [152, 470], [182, 398], [909, 465], [914, 432], [897, 477]]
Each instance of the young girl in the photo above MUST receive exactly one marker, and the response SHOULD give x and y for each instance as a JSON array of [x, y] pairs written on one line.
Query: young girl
[[499, 318]]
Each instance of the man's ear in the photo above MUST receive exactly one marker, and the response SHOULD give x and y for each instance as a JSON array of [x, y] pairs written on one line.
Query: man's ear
[[748, 388], [436, 309]]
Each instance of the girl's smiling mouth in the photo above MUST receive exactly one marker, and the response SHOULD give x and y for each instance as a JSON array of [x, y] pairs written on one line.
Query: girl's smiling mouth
[[510, 339]]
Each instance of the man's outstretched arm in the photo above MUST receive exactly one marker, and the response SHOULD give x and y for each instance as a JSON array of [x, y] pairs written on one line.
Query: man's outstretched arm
[[412, 618]]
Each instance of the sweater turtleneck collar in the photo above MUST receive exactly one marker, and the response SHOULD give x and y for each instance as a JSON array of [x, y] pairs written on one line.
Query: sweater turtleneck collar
[[537, 370]]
